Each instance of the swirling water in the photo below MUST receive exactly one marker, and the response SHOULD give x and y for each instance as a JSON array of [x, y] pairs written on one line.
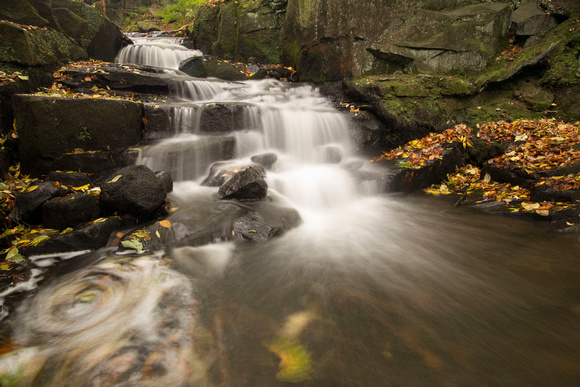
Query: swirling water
[[370, 290]]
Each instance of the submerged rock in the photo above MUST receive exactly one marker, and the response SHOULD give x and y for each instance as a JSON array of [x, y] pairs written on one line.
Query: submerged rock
[[265, 159], [251, 227]]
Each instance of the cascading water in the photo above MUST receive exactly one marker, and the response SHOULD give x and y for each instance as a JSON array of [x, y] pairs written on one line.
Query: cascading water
[[370, 290], [158, 51]]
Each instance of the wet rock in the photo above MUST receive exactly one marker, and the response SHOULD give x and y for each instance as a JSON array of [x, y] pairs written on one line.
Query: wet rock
[[403, 179], [247, 185], [70, 179], [265, 159], [194, 67], [332, 154], [134, 190], [166, 180], [222, 118], [547, 193], [91, 236], [221, 172], [223, 70], [70, 211], [251, 227], [215, 221], [157, 120], [29, 203]]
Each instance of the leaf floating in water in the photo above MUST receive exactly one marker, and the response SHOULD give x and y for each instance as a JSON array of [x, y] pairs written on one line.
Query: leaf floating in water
[[295, 360], [133, 244], [165, 223], [115, 179]]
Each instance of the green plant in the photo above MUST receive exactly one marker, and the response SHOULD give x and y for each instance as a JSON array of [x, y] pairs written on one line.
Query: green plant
[[181, 9]]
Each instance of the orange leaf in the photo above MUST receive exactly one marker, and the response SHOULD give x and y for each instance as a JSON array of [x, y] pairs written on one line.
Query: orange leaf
[[145, 121], [165, 223]]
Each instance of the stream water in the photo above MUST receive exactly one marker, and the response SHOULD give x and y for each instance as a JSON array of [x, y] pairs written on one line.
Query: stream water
[[370, 290]]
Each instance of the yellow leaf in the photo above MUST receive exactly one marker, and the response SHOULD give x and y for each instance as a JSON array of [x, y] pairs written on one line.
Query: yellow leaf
[[115, 179], [158, 235], [82, 187], [4, 267], [569, 223], [97, 96], [32, 188], [543, 212], [165, 223], [530, 206]]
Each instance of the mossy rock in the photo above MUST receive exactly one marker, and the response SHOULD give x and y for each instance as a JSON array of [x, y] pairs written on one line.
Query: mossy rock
[[216, 68], [50, 127], [73, 25], [36, 47], [22, 12]]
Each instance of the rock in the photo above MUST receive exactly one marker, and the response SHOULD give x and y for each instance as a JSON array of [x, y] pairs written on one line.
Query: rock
[[265, 159], [223, 70], [541, 193], [92, 236], [409, 179], [37, 47], [251, 227], [134, 190], [331, 154], [72, 24], [70, 179], [157, 122], [23, 12], [221, 118], [70, 211], [29, 203], [50, 127], [101, 38], [194, 67], [196, 225], [529, 20], [248, 185], [166, 180], [98, 165], [512, 176], [6, 161], [221, 172]]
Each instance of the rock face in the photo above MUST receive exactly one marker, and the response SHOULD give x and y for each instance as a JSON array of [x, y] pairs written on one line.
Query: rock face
[[329, 40], [240, 30], [51, 127]]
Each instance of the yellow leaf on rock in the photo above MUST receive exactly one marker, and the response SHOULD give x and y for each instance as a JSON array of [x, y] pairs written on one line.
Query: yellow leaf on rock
[[32, 188], [115, 179]]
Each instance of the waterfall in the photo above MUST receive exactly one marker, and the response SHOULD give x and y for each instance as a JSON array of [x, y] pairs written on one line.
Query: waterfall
[[160, 52]]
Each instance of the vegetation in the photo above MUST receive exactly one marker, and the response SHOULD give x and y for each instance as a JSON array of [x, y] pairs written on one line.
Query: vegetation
[[177, 14]]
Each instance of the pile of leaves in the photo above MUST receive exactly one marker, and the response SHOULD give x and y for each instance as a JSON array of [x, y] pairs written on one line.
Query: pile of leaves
[[546, 150], [417, 153]]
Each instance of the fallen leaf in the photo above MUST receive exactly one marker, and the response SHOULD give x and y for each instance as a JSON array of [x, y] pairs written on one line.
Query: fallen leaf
[[115, 179], [165, 223]]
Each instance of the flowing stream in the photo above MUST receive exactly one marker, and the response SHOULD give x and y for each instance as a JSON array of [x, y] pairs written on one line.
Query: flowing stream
[[370, 290]]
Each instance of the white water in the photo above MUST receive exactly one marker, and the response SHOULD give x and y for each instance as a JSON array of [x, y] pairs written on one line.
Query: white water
[[160, 52]]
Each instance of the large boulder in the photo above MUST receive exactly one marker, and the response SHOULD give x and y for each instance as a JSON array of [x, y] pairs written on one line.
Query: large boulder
[[99, 37], [36, 47], [133, 190], [50, 127]]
